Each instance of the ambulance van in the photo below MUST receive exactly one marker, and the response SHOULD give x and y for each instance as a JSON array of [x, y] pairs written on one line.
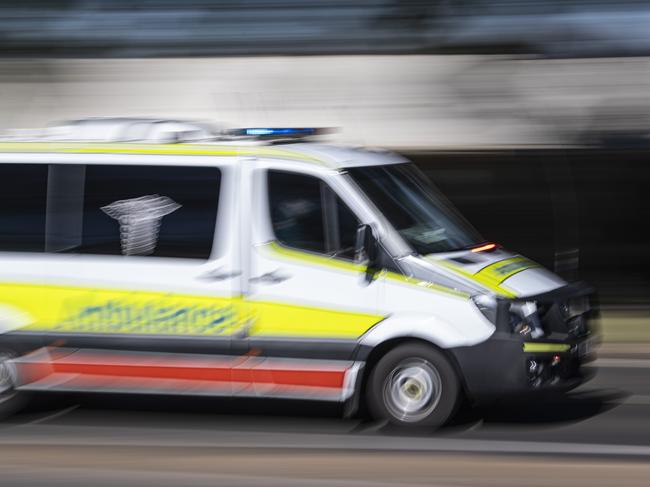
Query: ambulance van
[[260, 265]]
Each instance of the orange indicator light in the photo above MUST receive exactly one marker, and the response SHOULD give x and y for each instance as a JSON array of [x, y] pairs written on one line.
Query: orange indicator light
[[485, 247]]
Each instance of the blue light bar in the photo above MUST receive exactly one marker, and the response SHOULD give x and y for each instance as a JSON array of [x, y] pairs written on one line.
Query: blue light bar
[[275, 131]]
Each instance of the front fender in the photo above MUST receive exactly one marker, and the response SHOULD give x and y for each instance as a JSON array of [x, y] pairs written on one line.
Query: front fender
[[428, 328]]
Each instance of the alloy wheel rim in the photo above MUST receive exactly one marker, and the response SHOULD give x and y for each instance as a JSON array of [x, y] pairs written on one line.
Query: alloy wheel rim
[[412, 390]]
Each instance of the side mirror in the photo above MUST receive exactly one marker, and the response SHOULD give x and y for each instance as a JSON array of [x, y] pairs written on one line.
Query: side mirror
[[366, 251]]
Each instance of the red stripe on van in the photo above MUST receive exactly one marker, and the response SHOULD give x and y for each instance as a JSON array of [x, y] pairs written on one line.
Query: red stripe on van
[[242, 370]]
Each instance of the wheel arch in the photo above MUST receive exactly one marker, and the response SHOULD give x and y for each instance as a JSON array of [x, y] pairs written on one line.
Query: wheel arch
[[373, 355]]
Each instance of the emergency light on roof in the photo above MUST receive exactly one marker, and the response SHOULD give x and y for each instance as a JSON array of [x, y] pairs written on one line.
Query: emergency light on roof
[[276, 132]]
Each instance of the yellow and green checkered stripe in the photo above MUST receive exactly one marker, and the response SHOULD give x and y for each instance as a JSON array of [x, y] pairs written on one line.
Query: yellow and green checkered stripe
[[339, 264], [494, 274]]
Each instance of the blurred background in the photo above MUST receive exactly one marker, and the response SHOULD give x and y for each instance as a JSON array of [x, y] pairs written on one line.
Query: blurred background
[[531, 115]]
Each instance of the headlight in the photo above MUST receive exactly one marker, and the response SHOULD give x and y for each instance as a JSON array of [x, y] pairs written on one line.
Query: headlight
[[522, 317], [528, 319], [487, 305]]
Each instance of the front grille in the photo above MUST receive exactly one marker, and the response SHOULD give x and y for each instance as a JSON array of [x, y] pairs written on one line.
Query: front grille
[[556, 318]]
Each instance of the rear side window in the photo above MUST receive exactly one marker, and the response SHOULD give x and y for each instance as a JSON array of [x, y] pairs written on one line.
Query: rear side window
[[23, 194], [307, 215], [165, 211]]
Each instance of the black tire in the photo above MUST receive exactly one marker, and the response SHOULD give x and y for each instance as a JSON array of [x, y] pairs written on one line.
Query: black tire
[[413, 385], [11, 400]]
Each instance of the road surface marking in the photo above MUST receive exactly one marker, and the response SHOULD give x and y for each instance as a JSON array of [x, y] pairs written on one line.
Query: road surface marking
[[44, 434]]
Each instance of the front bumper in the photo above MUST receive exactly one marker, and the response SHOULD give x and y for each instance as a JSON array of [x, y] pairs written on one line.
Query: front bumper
[[511, 364], [505, 366]]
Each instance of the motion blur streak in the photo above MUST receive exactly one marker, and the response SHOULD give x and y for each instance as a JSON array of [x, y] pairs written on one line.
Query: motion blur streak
[[144, 466], [405, 102], [207, 27]]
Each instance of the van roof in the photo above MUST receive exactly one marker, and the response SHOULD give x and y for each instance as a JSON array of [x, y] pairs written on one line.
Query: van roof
[[329, 156]]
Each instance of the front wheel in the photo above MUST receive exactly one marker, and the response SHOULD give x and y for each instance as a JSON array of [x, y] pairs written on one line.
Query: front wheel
[[413, 385]]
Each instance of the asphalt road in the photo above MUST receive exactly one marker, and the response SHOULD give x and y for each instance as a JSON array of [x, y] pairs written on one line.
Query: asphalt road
[[597, 435]]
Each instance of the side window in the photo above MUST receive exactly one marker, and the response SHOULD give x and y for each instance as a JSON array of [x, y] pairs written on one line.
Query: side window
[[165, 211], [23, 195], [307, 215]]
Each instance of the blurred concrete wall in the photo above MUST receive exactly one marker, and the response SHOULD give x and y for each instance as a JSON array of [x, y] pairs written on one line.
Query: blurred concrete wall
[[414, 101]]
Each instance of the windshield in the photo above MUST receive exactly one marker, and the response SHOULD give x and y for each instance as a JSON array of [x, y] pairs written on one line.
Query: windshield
[[422, 216]]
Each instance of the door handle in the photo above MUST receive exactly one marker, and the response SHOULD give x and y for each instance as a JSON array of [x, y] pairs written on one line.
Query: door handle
[[218, 275], [273, 277]]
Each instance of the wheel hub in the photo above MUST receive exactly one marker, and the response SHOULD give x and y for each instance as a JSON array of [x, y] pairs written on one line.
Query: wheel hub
[[413, 389]]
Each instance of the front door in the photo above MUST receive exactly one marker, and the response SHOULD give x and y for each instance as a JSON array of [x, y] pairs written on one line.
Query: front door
[[309, 301]]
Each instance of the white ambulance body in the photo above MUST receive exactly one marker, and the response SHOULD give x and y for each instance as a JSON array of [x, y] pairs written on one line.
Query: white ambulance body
[[248, 267]]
